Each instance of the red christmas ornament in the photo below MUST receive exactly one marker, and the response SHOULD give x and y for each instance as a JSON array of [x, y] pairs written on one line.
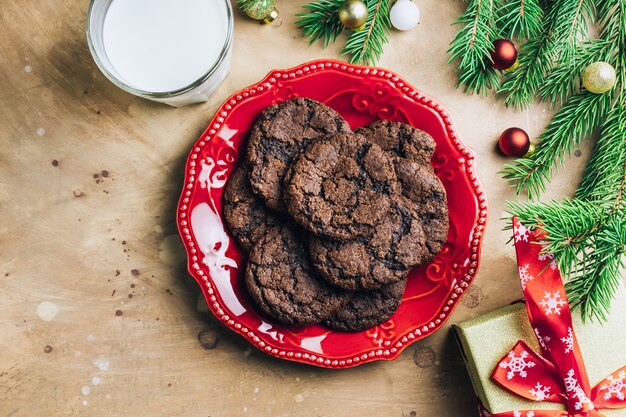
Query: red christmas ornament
[[514, 142], [504, 54]]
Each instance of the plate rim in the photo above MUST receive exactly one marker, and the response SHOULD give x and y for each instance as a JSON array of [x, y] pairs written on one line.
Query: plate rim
[[212, 297]]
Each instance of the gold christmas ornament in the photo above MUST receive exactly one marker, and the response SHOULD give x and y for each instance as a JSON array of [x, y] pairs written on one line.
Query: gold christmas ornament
[[599, 77], [531, 150], [353, 14], [265, 14], [512, 67]]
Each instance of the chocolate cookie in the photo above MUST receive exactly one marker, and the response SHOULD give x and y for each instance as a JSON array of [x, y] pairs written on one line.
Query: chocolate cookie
[[401, 140], [363, 310], [422, 187], [282, 282], [341, 186], [397, 244], [245, 214], [412, 150], [277, 138]]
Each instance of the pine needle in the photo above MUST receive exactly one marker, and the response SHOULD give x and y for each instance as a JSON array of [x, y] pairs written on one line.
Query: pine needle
[[471, 47], [588, 244], [573, 123], [321, 22], [598, 277], [564, 30], [604, 179], [366, 46], [520, 19], [563, 80], [586, 234]]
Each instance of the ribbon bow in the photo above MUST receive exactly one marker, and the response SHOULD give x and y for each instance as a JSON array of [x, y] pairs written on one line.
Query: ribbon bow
[[559, 375]]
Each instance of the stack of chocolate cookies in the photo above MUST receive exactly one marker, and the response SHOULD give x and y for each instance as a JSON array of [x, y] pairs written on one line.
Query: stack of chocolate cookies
[[333, 219]]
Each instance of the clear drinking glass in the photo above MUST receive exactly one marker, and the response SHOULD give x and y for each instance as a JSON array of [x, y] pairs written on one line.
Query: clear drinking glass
[[198, 91]]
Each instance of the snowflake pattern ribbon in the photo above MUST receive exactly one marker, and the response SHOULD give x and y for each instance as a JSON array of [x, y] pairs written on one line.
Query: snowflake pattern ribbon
[[559, 374]]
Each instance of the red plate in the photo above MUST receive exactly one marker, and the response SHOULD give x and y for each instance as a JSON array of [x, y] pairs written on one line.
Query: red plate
[[361, 95]]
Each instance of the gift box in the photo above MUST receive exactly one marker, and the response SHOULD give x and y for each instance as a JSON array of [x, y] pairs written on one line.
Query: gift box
[[486, 344]]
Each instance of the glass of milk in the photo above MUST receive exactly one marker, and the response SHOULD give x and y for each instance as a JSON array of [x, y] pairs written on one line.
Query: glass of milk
[[172, 51]]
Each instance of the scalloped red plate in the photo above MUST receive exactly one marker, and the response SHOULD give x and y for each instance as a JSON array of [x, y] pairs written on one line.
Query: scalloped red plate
[[361, 95]]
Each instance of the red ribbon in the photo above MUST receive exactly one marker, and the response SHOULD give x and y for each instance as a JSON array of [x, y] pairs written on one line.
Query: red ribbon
[[559, 375]]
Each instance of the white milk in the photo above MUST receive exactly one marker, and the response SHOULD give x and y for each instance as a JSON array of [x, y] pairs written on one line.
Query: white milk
[[164, 45]]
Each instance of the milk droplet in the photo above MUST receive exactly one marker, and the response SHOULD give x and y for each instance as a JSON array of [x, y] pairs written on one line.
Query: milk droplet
[[47, 311], [41, 131], [102, 364], [298, 398], [96, 381], [85, 390], [28, 68]]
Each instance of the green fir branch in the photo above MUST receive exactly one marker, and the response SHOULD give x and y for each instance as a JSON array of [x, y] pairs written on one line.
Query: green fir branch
[[321, 22], [564, 30], [520, 19], [563, 80], [589, 245], [572, 20], [366, 46], [604, 183], [573, 123], [520, 86], [472, 45], [598, 277], [612, 16], [604, 179], [570, 226], [587, 234]]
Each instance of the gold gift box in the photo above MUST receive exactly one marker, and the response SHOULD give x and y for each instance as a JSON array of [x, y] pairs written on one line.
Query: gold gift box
[[484, 340]]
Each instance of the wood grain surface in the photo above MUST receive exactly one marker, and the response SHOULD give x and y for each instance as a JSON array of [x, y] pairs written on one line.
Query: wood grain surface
[[98, 316]]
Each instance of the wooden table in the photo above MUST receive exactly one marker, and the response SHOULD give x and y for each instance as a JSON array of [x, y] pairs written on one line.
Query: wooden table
[[98, 315]]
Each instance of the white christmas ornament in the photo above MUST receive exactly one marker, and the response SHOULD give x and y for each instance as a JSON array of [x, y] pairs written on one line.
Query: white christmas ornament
[[404, 15]]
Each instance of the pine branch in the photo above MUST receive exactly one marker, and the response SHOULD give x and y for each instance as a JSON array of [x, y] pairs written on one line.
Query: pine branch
[[589, 247], [588, 234], [573, 123], [612, 15], [366, 46], [520, 19], [563, 80], [570, 226], [564, 30], [604, 179], [520, 86], [321, 22], [571, 29], [598, 276], [472, 45]]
